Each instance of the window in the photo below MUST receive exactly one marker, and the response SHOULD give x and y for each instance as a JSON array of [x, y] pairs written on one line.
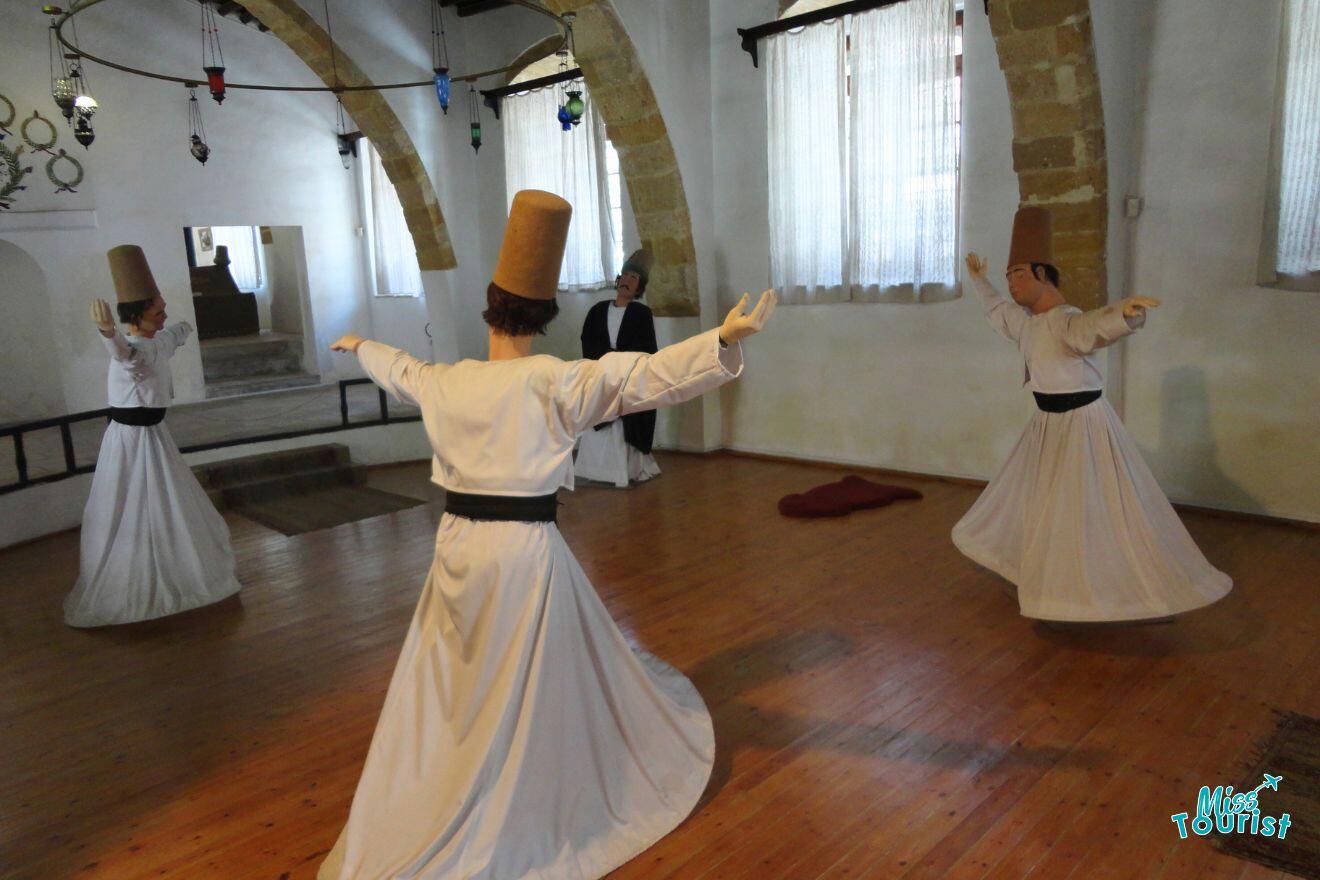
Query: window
[[614, 181], [245, 261], [580, 165], [1297, 240], [394, 269], [863, 155]]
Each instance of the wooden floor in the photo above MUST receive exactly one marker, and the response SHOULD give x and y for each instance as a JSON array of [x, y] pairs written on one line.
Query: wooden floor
[[881, 710]]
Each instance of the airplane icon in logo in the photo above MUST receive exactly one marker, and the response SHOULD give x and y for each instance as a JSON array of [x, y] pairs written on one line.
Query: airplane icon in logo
[[1270, 782]]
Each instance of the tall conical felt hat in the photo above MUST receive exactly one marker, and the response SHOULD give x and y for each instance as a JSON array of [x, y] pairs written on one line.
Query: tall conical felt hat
[[533, 248], [132, 275], [640, 262], [1033, 236]]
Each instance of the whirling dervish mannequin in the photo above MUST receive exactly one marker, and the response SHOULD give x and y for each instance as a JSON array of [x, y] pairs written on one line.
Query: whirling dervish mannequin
[[1075, 519], [619, 451], [152, 542], [522, 738]]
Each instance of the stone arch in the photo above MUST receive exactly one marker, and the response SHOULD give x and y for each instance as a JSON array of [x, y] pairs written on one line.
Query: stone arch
[[624, 98], [535, 52], [373, 115], [1047, 52]]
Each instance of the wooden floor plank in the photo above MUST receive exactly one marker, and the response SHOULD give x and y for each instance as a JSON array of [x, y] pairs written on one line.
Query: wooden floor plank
[[880, 708]]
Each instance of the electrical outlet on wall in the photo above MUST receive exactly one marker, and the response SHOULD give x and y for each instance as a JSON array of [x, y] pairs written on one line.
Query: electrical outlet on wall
[[1132, 206]]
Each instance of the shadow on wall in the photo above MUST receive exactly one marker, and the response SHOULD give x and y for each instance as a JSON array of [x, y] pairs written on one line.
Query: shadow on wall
[[1187, 458], [31, 388]]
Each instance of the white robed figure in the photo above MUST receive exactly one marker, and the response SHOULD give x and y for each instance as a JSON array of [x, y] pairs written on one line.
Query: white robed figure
[[1075, 519], [152, 542], [522, 737]]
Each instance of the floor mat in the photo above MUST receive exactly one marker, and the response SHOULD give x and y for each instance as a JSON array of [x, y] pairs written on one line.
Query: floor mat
[[324, 508], [1293, 753]]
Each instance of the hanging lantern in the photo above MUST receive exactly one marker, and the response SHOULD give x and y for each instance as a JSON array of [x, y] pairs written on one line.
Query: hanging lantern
[[341, 133], [442, 88], [64, 94], [197, 132], [474, 119], [440, 56], [575, 107], [215, 80], [565, 118], [84, 107], [213, 57], [62, 88]]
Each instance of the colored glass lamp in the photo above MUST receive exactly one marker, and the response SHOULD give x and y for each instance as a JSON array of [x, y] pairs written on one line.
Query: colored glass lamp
[[215, 81], [442, 85]]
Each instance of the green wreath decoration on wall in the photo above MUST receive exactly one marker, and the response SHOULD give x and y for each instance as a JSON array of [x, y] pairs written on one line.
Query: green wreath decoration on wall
[[54, 133], [10, 115], [13, 173], [64, 185]]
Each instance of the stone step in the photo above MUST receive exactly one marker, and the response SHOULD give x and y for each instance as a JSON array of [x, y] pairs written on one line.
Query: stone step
[[258, 384], [236, 357], [299, 483], [269, 465], [258, 363]]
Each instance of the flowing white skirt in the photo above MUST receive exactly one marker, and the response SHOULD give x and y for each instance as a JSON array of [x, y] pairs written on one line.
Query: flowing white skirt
[[605, 456], [1077, 521], [152, 542], [521, 737]]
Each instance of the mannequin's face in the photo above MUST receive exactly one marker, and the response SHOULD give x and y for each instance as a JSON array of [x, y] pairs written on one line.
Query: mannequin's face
[[153, 319], [626, 284], [1025, 288]]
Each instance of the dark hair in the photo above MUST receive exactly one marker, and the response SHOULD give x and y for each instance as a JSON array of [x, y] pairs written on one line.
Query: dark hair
[[132, 312], [514, 315], [641, 283], [1051, 272]]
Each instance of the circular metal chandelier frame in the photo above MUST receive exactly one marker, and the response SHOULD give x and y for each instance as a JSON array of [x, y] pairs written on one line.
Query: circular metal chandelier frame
[[563, 22]]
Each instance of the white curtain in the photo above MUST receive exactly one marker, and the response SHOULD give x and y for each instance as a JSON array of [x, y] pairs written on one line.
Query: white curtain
[[863, 155], [904, 148], [393, 252], [244, 256], [538, 154], [806, 107], [1299, 178]]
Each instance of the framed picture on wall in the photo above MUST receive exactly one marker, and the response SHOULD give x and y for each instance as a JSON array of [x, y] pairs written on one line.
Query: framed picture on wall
[[205, 243]]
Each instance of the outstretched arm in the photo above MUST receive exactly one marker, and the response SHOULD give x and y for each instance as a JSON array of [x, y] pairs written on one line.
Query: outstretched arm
[[1097, 328], [1005, 316], [171, 337], [590, 392], [391, 368], [114, 341]]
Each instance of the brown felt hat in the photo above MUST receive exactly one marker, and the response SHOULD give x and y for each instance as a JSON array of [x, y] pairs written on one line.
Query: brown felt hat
[[1033, 237], [533, 248], [132, 275]]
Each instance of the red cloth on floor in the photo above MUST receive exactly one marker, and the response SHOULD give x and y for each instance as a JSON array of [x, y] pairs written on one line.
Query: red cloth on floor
[[842, 497]]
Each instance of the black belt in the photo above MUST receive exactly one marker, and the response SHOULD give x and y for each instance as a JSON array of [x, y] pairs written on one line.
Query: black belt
[[138, 416], [509, 508], [1059, 403]]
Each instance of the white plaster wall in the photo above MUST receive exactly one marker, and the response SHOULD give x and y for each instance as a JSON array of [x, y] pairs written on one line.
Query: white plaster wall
[[1223, 395]]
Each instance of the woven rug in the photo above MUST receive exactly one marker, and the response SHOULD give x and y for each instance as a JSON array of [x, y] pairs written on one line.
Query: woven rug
[[1293, 752], [324, 508]]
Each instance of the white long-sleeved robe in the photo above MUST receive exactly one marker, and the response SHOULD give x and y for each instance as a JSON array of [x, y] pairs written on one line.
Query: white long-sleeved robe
[[521, 737], [152, 543], [604, 455], [1075, 519]]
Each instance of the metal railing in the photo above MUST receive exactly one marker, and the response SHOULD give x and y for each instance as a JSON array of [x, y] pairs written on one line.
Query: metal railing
[[73, 469]]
